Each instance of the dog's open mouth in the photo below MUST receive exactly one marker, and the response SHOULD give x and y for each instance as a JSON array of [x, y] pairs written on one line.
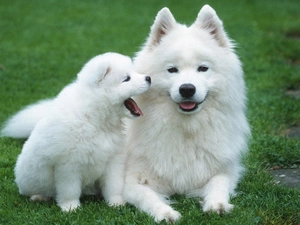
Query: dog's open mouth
[[188, 106], [131, 105]]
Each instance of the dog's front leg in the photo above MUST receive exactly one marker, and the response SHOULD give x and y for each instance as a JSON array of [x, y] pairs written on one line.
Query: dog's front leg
[[113, 180], [68, 188], [216, 194], [149, 201]]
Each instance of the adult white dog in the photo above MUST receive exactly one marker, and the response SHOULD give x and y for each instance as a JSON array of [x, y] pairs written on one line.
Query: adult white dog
[[194, 131], [76, 148]]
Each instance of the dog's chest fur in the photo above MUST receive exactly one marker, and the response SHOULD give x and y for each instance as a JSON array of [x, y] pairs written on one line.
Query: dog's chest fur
[[183, 161]]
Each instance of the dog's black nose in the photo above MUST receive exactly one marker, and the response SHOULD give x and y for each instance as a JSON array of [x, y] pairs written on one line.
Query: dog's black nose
[[148, 79], [187, 90]]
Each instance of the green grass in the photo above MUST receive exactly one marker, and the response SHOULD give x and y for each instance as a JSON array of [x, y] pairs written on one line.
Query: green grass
[[43, 44]]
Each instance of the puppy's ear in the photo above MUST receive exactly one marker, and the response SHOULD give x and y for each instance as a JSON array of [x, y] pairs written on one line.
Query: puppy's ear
[[208, 20], [94, 71], [101, 77], [164, 22]]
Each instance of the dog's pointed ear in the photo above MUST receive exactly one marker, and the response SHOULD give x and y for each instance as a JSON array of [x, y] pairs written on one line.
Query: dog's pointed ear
[[208, 20], [164, 22]]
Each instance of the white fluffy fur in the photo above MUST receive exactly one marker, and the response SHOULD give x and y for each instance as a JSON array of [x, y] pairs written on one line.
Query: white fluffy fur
[[22, 123], [76, 148], [169, 150], [194, 153]]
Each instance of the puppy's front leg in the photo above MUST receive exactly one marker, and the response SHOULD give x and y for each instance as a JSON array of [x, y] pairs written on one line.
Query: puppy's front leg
[[114, 180], [68, 188]]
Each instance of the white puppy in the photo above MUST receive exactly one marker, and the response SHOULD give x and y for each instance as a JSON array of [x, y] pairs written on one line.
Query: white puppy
[[76, 148]]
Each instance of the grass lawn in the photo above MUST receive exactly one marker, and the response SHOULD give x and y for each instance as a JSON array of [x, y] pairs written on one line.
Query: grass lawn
[[43, 44]]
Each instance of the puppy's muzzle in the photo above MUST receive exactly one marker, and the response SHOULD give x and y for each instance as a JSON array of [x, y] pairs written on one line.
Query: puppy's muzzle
[[148, 79]]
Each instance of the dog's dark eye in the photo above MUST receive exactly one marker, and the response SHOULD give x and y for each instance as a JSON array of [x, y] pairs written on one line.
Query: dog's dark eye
[[173, 70], [127, 79], [202, 68]]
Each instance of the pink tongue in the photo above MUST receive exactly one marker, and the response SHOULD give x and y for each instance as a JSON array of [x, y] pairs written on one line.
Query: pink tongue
[[187, 105], [133, 107]]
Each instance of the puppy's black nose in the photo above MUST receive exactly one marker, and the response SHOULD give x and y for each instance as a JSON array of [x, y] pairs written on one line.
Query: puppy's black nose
[[148, 79], [187, 90]]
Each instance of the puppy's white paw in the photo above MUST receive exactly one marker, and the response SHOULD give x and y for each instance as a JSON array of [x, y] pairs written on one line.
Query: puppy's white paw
[[218, 207], [36, 198], [69, 206], [116, 201], [168, 214]]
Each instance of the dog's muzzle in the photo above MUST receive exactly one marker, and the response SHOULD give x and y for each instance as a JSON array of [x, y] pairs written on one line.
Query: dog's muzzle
[[188, 104]]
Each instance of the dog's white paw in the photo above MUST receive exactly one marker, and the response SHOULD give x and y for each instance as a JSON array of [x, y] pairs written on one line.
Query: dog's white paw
[[218, 207], [36, 198], [168, 214], [116, 201], [69, 206]]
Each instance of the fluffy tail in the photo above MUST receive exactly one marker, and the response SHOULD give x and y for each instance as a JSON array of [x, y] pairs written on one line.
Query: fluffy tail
[[22, 123]]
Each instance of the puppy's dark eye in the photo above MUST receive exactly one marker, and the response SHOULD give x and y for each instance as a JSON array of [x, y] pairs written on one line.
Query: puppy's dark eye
[[173, 70], [202, 68], [127, 79]]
